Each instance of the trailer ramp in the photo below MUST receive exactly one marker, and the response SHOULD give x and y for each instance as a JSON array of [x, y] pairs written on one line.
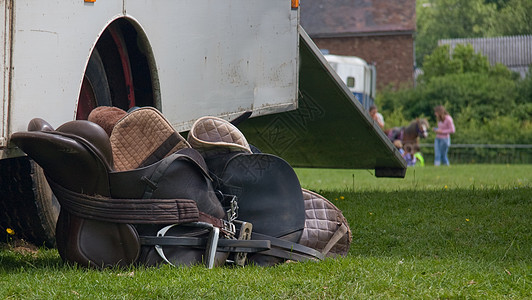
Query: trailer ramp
[[329, 129]]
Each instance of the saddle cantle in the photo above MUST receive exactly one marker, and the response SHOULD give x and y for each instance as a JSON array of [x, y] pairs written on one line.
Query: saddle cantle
[[138, 193]]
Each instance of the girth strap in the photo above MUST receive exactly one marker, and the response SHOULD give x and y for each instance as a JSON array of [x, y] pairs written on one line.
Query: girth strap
[[335, 238], [288, 250], [224, 245], [131, 211], [264, 244]]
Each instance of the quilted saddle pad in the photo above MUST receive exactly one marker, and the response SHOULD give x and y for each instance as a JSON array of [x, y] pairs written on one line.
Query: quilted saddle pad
[[326, 228], [212, 136], [143, 137]]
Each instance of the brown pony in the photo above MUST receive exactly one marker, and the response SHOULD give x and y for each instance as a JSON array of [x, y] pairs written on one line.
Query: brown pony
[[409, 134]]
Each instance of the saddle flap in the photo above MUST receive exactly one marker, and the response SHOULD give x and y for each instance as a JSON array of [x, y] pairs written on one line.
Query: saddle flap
[[95, 243], [269, 194], [182, 175]]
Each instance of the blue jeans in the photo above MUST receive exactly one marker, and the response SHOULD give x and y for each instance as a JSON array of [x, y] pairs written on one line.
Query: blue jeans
[[441, 147]]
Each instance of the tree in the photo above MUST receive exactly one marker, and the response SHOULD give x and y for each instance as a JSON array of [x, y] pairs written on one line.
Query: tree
[[447, 19], [498, 3], [439, 63], [515, 18], [469, 60], [463, 59]]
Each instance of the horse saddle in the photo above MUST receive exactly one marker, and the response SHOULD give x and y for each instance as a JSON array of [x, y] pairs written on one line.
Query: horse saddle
[[269, 194], [105, 213], [138, 193]]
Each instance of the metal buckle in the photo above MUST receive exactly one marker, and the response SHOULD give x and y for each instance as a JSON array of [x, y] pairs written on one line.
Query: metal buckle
[[232, 212], [229, 228], [244, 234]]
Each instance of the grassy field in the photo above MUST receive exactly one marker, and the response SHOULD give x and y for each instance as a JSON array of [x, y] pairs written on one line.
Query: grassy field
[[440, 233]]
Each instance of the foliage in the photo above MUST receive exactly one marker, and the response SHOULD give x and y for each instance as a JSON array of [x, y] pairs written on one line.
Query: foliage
[[514, 18], [499, 3], [524, 90], [485, 96], [489, 104], [464, 59], [451, 19], [440, 63], [446, 19]]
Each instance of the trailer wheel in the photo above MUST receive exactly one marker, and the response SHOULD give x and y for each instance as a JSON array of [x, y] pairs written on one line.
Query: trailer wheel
[[94, 89], [47, 204], [28, 207]]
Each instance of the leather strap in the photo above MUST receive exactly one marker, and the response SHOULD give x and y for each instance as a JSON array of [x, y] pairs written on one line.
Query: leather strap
[[264, 244], [163, 166], [131, 211], [224, 245], [335, 238], [289, 255], [287, 249]]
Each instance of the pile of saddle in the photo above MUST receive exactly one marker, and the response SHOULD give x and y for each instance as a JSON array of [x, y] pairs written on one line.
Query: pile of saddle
[[133, 191]]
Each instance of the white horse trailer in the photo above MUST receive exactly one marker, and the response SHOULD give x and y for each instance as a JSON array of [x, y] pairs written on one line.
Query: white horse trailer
[[187, 58], [359, 76], [61, 59]]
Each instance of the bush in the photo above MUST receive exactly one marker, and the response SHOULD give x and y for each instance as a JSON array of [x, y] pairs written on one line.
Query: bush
[[489, 104], [487, 96]]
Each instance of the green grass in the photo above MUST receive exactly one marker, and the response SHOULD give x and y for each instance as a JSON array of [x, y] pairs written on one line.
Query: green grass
[[420, 178], [440, 233]]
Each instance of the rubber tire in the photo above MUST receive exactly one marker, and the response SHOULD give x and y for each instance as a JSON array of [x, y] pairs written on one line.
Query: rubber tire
[[97, 77], [95, 89], [27, 206], [48, 206]]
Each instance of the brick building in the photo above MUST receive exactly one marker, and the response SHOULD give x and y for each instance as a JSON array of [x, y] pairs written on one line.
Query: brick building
[[378, 31]]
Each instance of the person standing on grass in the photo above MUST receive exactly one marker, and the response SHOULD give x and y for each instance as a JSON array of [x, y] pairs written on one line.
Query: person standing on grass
[[443, 135], [376, 115]]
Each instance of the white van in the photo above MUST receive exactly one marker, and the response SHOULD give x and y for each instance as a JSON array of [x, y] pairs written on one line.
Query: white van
[[359, 76]]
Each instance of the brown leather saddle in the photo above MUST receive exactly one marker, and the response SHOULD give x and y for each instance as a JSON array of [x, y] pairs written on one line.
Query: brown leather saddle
[[143, 195]]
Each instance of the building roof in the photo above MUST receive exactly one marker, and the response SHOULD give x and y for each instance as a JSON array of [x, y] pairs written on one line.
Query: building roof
[[515, 52], [337, 18]]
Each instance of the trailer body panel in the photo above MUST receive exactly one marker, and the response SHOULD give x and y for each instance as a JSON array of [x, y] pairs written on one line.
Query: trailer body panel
[[210, 57]]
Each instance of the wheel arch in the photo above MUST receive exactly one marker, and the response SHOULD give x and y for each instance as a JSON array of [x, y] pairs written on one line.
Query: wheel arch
[[129, 63]]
